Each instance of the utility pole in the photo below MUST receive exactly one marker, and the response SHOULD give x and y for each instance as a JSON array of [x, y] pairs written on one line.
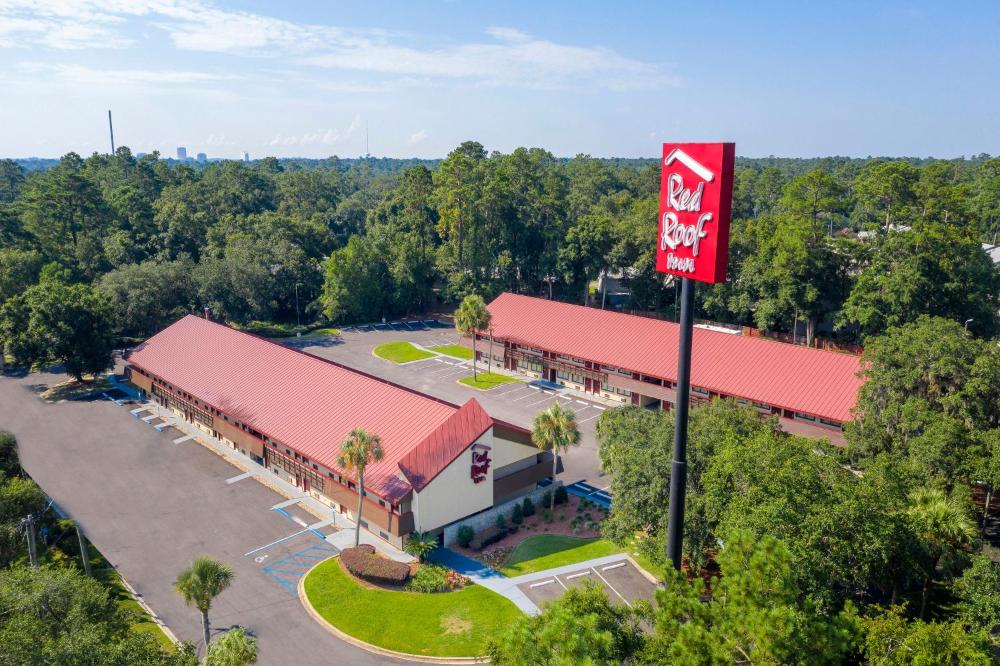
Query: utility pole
[[678, 466], [111, 129], [84, 554], [298, 320], [29, 525]]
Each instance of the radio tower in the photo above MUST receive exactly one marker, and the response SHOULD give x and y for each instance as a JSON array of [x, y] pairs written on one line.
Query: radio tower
[[111, 130]]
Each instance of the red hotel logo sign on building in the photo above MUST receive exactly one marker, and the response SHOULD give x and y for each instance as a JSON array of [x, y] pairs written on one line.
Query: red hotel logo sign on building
[[696, 191], [480, 462]]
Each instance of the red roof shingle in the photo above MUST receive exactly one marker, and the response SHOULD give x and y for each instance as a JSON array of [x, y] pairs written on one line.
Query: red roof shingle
[[444, 445], [304, 402], [811, 381]]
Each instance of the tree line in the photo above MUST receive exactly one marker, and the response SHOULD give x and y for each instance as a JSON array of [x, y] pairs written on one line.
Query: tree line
[[796, 551], [844, 246]]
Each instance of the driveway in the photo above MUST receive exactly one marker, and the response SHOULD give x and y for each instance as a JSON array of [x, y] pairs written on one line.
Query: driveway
[[151, 506], [516, 403]]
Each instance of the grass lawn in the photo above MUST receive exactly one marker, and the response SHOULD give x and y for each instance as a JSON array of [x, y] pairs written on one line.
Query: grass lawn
[[400, 352], [458, 351], [448, 624], [487, 381], [322, 333], [545, 551]]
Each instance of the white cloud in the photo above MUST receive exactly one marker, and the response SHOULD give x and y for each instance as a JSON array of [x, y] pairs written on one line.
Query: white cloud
[[509, 57], [417, 137], [88, 76]]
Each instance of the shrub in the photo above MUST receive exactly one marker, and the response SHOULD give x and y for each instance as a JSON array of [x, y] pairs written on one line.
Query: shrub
[[419, 545], [368, 565], [501, 522], [465, 536], [429, 578], [561, 495], [527, 507], [547, 516], [547, 498], [491, 536], [517, 516]]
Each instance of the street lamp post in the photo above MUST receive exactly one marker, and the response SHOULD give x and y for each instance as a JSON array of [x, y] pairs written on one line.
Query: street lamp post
[[298, 320], [967, 323]]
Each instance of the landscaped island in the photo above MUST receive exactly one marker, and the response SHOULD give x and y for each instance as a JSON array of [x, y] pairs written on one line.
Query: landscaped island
[[443, 624]]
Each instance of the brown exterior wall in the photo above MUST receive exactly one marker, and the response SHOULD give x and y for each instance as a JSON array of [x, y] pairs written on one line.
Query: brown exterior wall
[[373, 514], [505, 486], [142, 381], [243, 440]]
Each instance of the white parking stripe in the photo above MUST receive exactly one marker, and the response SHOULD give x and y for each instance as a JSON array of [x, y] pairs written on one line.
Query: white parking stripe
[[612, 587], [614, 566], [583, 402], [589, 418], [578, 575], [544, 582], [548, 397]]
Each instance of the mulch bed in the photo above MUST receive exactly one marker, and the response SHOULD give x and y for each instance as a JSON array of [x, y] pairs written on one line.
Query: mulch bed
[[535, 525]]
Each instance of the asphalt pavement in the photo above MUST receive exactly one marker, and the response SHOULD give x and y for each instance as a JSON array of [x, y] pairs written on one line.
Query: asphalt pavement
[[151, 506]]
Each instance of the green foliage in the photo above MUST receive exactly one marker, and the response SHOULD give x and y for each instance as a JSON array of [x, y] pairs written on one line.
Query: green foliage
[[561, 496], [465, 535], [429, 578], [979, 590], [55, 614], [932, 269], [527, 507], [147, 297], [472, 318], [755, 614], [517, 515], [233, 648], [420, 545], [555, 430], [891, 640], [501, 522], [54, 322], [10, 463], [581, 627], [19, 496], [359, 450], [930, 397]]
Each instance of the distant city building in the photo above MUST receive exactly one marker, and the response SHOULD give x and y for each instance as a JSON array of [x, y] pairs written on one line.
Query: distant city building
[[202, 157], [182, 153], [246, 156], [139, 155]]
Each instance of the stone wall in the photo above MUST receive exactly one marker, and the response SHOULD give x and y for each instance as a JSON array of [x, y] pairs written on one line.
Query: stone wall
[[481, 521]]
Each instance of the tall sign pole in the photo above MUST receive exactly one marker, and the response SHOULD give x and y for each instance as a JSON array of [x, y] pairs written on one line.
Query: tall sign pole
[[696, 192]]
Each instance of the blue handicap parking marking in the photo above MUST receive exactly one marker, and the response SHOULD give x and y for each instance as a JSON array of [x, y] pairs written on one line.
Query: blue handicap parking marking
[[286, 572]]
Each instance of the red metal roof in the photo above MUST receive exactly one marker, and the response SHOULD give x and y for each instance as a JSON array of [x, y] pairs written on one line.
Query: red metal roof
[[304, 402], [445, 444], [820, 383]]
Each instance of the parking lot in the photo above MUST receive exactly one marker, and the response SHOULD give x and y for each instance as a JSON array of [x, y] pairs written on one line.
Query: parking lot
[[621, 581], [517, 402], [153, 500]]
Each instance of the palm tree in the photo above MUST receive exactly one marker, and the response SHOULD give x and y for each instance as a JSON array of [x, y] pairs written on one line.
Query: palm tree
[[555, 430], [356, 452], [234, 648], [202, 582], [420, 545], [471, 317], [943, 524]]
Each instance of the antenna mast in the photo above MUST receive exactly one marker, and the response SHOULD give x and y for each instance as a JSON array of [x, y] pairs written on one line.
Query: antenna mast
[[111, 130]]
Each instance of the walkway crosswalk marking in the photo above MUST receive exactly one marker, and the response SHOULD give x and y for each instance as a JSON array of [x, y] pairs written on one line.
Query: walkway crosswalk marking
[[239, 477]]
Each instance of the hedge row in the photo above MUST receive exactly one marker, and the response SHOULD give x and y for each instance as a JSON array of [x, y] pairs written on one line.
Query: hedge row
[[368, 565]]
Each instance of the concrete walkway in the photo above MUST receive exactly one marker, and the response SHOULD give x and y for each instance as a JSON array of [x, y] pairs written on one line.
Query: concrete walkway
[[492, 579]]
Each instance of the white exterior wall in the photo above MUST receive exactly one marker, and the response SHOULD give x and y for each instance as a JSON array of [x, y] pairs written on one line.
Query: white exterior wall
[[453, 494], [506, 452]]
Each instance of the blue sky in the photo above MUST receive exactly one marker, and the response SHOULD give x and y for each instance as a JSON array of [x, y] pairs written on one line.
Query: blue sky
[[608, 79]]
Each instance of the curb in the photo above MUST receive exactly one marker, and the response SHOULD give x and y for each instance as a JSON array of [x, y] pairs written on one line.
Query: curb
[[368, 647]]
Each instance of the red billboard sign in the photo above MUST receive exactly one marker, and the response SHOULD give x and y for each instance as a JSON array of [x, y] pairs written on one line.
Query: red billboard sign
[[696, 195]]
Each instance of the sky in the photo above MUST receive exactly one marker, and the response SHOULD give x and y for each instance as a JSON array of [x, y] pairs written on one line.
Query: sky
[[609, 79]]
